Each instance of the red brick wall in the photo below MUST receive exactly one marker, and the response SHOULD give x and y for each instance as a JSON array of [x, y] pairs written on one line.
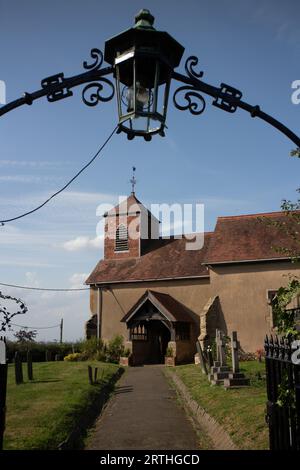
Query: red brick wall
[[111, 224]]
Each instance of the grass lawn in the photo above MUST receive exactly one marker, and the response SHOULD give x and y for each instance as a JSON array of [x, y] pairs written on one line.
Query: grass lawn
[[240, 411], [41, 413]]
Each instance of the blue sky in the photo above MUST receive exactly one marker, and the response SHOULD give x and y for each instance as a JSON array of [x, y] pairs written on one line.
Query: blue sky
[[232, 163]]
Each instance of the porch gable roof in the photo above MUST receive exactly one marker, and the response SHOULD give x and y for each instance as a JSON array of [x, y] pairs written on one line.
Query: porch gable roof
[[169, 307]]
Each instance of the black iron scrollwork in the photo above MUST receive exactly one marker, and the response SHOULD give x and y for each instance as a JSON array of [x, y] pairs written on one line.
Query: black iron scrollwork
[[190, 64], [59, 94], [97, 55], [195, 102], [230, 92], [91, 94]]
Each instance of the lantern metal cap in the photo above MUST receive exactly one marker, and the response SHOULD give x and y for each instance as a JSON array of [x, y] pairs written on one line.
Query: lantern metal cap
[[144, 20], [144, 34]]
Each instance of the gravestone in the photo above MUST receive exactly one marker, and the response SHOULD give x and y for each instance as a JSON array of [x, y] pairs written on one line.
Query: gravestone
[[197, 359], [235, 352], [202, 360], [219, 371], [235, 378], [221, 352], [210, 359]]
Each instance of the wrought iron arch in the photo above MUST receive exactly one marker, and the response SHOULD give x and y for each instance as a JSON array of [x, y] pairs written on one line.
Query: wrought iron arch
[[57, 87]]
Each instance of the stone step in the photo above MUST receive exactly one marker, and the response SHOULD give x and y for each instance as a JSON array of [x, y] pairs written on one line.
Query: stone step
[[236, 375], [242, 382], [220, 375], [217, 382], [220, 369]]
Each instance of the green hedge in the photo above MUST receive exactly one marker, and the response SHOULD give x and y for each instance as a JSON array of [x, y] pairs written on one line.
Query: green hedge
[[90, 349], [38, 350]]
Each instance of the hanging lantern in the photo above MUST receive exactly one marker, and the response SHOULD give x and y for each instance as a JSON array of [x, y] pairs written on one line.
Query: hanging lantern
[[143, 61]]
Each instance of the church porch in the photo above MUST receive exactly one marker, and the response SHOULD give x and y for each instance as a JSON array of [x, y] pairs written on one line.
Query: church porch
[[157, 323]]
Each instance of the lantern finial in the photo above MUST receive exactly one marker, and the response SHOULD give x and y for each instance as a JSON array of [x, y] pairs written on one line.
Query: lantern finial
[[144, 20]]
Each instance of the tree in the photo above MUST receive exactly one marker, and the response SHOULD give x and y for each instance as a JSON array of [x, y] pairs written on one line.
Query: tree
[[25, 335], [295, 153], [283, 318], [7, 315]]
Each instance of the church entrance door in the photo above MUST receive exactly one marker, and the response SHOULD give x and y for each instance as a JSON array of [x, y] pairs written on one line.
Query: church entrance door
[[158, 337]]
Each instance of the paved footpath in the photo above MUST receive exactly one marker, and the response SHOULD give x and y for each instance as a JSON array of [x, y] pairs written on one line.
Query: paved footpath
[[144, 414]]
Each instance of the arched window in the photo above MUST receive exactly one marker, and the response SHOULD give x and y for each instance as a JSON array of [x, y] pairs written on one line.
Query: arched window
[[122, 238]]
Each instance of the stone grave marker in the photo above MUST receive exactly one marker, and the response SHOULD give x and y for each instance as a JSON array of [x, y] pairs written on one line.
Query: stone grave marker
[[235, 378], [219, 371]]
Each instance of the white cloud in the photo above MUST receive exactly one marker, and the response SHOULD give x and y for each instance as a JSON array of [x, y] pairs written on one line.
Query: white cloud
[[31, 279], [82, 242], [29, 178], [81, 197], [77, 280], [48, 307], [32, 163], [66, 198], [27, 263]]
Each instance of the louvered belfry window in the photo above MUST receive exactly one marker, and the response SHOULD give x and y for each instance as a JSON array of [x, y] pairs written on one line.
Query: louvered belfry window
[[122, 238]]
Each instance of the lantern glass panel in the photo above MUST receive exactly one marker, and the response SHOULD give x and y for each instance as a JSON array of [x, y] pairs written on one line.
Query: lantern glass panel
[[142, 93]]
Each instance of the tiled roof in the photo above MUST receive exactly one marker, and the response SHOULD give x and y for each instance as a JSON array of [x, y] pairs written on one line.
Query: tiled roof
[[243, 238], [252, 237], [128, 205], [164, 259], [165, 303]]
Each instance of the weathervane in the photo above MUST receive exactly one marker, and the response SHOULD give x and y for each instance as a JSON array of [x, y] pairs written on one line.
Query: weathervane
[[133, 180]]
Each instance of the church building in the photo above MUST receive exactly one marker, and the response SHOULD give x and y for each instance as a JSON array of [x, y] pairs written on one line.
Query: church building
[[157, 294]]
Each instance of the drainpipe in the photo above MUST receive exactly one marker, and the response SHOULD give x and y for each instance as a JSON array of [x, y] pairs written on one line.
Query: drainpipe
[[99, 313]]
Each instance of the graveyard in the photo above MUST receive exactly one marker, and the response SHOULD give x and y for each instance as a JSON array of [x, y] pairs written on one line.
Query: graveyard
[[54, 404], [41, 413], [240, 411], [231, 391]]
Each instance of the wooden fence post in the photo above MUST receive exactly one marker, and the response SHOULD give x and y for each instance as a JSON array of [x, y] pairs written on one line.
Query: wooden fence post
[[47, 355], [3, 388], [90, 373], [18, 368], [29, 365]]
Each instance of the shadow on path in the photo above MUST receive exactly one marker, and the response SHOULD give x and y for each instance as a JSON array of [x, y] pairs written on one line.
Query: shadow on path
[[143, 414]]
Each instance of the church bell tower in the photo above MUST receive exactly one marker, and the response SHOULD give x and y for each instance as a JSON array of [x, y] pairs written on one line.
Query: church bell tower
[[129, 228]]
